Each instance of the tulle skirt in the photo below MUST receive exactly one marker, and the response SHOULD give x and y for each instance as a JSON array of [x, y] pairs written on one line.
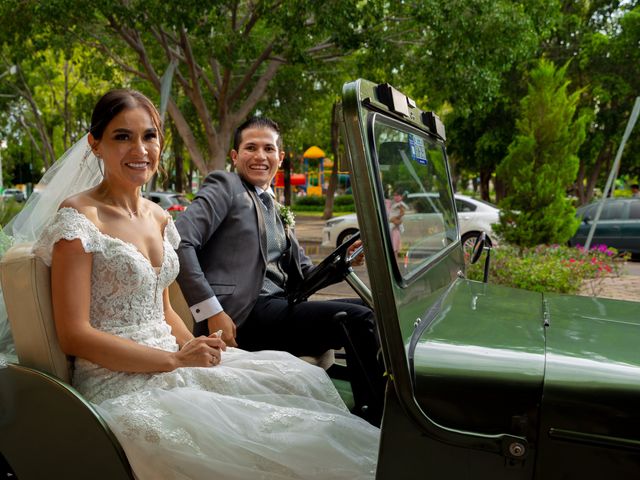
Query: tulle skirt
[[265, 415]]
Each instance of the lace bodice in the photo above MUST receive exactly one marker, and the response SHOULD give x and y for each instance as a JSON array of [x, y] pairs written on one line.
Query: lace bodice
[[126, 289]]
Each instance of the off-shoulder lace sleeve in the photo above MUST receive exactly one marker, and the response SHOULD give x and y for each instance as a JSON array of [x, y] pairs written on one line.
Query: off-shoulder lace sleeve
[[172, 234], [68, 224]]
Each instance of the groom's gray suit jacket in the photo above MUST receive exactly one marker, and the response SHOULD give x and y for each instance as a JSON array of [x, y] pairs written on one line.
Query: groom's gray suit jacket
[[223, 247]]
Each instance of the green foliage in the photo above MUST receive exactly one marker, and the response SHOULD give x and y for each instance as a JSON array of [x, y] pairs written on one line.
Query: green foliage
[[601, 37], [9, 208], [542, 162], [546, 268], [310, 200], [315, 203], [342, 200]]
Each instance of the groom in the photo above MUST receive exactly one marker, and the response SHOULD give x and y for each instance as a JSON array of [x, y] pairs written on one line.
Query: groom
[[238, 261]]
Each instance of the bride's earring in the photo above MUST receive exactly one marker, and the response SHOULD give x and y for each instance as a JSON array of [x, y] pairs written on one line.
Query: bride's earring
[[99, 160], [86, 154]]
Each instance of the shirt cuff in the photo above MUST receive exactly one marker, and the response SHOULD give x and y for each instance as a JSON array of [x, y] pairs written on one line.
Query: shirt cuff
[[208, 308]]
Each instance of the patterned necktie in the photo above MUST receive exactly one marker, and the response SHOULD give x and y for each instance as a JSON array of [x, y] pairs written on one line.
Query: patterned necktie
[[276, 243]]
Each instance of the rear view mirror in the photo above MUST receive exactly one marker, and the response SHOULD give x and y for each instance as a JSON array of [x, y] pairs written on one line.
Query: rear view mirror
[[479, 246]]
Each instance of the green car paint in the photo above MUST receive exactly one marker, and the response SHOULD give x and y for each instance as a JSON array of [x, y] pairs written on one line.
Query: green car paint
[[486, 382]]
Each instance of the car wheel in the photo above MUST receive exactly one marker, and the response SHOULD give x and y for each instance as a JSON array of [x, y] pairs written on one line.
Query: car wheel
[[468, 241], [346, 235]]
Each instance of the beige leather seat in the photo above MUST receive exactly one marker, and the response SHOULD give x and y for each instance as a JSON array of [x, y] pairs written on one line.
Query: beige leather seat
[[40, 411], [26, 286]]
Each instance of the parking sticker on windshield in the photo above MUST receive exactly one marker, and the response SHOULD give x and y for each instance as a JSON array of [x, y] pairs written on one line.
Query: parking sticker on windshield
[[418, 152]]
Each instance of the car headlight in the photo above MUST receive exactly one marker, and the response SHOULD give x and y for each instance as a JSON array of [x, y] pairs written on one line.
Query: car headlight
[[333, 222]]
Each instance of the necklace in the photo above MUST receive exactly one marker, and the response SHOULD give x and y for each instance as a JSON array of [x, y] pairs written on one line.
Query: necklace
[[128, 211]]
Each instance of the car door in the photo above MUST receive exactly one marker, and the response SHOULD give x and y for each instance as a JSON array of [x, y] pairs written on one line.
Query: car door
[[630, 228], [609, 226], [465, 360]]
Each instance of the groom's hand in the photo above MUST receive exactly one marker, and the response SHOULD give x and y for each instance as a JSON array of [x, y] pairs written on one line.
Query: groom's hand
[[222, 321]]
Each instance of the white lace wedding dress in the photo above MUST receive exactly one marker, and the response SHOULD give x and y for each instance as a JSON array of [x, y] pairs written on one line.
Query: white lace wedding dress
[[265, 415]]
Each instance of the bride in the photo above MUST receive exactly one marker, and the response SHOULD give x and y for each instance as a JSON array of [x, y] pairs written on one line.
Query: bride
[[182, 407]]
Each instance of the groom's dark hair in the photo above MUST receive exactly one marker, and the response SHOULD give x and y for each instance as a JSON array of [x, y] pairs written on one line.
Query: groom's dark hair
[[256, 122], [115, 101]]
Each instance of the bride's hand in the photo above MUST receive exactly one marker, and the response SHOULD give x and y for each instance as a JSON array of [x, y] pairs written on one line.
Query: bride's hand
[[201, 352]]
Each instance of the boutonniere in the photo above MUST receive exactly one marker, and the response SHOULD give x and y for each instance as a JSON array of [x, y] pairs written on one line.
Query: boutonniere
[[287, 217]]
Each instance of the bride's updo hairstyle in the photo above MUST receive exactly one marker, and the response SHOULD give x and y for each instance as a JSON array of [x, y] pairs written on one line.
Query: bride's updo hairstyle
[[114, 102]]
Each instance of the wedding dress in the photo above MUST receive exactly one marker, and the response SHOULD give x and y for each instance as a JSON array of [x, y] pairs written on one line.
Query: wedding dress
[[265, 415]]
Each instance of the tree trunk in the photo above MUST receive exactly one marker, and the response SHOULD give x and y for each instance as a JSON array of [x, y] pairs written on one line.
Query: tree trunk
[[286, 167], [190, 178], [604, 157], [178, 147], [485, 177], [333, 179]]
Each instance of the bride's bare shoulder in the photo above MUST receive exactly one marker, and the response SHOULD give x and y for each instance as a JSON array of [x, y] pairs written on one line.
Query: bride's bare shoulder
[[83, 203], [159, 213]]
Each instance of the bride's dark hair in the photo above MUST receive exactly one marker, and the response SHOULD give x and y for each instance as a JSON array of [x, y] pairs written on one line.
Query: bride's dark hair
[[114, 102]]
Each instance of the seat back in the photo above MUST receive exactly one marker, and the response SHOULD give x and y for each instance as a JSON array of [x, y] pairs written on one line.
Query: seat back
[[26, 287], [179, 305]]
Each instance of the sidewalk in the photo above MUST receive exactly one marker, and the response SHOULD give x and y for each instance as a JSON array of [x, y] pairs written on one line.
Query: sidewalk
[[309, 229], [309, 233]]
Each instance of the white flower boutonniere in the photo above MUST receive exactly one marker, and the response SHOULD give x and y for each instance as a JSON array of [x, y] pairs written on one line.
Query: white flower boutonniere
[[286, 214]]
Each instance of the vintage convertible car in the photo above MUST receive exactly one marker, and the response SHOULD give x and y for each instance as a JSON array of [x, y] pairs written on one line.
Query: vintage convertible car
[[484, 381]]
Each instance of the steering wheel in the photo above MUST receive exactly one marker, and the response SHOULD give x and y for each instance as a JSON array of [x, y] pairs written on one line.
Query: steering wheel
[[333, 268]]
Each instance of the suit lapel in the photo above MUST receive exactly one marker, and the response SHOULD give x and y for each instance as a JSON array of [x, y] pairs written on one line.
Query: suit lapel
[[257, 206]]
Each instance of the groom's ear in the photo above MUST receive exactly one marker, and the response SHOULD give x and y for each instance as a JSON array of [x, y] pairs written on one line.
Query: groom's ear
[[234, 156]]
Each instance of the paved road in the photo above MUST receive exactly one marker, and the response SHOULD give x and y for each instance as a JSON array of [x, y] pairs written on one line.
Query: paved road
[[309, 232]]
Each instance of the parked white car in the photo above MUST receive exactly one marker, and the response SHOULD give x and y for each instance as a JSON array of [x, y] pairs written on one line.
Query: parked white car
[[474, 216]]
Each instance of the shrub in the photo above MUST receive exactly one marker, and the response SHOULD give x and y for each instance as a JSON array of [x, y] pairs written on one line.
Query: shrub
[[315, 203], [9, 208], [309, 200], [551, 268], [344, 200]]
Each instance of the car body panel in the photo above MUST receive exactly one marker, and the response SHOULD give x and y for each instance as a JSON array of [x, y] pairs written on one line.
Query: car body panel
[[486, 381], [483, 375], [591, 389]]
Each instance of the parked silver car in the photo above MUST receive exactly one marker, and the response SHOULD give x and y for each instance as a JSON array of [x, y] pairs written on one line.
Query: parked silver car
[[172, 202], [474, 216], [13, 193]]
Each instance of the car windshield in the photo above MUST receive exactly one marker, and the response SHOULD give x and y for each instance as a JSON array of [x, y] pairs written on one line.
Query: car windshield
[[417, 196]]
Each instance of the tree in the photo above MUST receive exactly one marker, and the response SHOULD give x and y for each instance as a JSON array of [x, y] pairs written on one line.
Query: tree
[[542, 162], [466, 60], [601, 37], [46, 105], [227, 53]]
